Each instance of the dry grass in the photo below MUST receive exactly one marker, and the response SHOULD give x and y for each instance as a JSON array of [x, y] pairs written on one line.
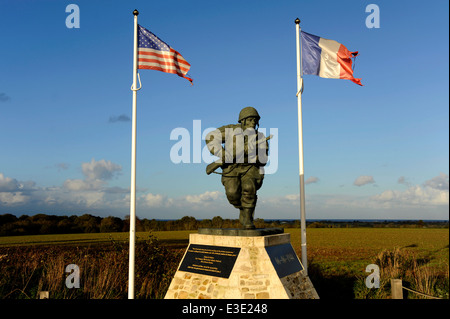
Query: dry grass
[[415, 272], [24, 271]]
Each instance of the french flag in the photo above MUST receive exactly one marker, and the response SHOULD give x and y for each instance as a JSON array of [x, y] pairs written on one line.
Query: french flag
[[327, 58]]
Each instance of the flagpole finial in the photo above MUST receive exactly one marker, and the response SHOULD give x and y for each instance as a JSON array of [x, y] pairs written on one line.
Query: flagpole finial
[[297, 21], [135, 12]]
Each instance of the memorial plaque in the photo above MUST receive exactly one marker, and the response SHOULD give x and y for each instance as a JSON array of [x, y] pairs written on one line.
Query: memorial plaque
[[215, 261], [284, 259]]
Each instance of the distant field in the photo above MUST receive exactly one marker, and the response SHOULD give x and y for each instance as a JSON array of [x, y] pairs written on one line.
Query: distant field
[[356, 247], [323, 244], [91, 238], [372, 239]]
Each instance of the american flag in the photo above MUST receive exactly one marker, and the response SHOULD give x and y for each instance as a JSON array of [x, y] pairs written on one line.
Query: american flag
[[155, 54]]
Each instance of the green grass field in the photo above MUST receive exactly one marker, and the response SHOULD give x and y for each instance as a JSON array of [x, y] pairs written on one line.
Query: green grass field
[[323, 244], [92, 238], [364, 243]]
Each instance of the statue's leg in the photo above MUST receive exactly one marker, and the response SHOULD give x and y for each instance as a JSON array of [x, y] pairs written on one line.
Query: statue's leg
[[233, 190], [250, 183], [248, 200], [246, 217], [249, 186]]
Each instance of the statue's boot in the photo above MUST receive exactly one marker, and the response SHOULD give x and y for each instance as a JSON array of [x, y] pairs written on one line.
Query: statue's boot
[[246, 218]]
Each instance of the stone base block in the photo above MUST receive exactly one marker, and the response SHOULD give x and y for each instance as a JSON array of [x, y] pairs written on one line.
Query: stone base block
[[239, 267]]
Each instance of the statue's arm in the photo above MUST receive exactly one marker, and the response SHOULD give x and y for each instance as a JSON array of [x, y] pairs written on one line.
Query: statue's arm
[[263, 149]]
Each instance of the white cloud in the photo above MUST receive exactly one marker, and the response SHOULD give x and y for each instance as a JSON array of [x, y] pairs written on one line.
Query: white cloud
[[100, 170], [292, 197], [433, 192], [96, 174], [155, 200], [203, 198], [277, 201], [187, 202], [94, 199], [75, 194], [363, 180], [197, 205], [82, 185], [414, 195], [14, 192], [427, 201], [439, 182], [8, 184], [13, 198]]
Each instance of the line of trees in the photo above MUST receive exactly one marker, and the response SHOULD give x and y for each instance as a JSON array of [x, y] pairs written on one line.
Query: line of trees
[[11, 225], [40, 224]]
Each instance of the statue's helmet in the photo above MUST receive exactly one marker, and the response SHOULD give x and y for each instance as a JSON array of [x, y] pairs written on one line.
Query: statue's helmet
[[248, 112]]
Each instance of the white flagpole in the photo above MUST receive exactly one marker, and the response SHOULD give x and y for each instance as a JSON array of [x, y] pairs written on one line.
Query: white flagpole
[[300, 148], [133, 168]]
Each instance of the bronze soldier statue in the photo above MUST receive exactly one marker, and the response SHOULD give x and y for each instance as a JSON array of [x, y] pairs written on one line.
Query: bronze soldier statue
[[243, 153]]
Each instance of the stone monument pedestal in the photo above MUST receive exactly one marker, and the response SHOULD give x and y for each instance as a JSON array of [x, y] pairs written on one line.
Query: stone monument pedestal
[[240, 267]]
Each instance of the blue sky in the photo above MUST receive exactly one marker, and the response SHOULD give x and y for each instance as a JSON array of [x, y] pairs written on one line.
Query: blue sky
[[374, 152]]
